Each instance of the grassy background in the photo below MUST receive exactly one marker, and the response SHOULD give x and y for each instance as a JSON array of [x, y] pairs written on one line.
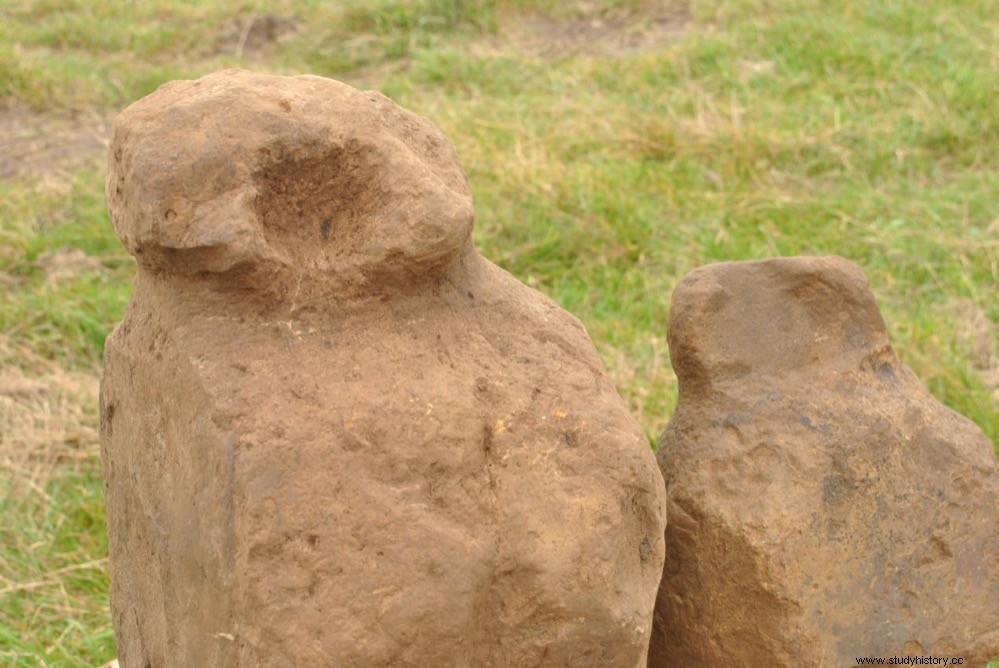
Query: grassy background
[[611, 146]]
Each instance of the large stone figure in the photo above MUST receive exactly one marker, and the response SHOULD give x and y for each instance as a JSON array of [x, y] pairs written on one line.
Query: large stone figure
[[335, 435], [823, 505]]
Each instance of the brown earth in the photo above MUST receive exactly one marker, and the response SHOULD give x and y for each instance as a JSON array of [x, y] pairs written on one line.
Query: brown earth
[[37, 143], [253, 35], [592, 30], [612, 37]]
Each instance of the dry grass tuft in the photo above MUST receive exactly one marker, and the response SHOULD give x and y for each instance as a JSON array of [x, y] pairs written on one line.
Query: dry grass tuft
[[52, 547], [46, 421], [645, 379]]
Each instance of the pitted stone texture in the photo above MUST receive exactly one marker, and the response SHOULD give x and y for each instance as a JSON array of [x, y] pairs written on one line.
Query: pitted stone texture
[[333, 433], [265, 174], [823, 505]]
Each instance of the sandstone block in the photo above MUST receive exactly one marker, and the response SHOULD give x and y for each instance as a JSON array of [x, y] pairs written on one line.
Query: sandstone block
[[823, 505], [333, 434]]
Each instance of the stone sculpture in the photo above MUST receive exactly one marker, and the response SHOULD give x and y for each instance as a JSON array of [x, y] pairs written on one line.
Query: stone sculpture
[[333, 434], [823, 505]]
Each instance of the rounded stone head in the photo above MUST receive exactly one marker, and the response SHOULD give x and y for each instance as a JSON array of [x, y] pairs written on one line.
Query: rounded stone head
[[732, 320], [250, 173]]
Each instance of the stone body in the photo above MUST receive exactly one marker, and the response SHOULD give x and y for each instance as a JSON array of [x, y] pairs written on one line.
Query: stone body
[[823, 505], [333, 434]]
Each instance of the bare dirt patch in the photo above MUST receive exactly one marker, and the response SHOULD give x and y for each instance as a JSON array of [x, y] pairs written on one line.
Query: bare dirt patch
[[37, 143], [252, 35], [66, 264], [594, 32]]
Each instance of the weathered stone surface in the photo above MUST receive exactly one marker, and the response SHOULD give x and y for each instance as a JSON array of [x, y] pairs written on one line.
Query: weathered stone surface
[[333, 433], [823, 506]]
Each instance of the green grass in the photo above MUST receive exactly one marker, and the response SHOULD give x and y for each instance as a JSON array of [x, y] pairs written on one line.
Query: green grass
[[868, 130], [55, 609]]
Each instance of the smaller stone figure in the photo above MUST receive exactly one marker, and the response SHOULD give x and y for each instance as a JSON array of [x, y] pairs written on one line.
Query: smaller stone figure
[[823, 505]]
